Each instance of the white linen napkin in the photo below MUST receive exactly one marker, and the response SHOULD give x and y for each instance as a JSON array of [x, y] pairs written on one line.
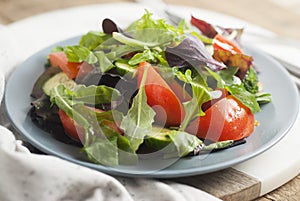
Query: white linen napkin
[[33, 177]]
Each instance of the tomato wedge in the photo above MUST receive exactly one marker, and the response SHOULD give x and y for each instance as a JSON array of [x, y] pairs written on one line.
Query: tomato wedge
[[72, 128], [160, 97], [77, 132], [222, 43], [72, 69], [227, 119]]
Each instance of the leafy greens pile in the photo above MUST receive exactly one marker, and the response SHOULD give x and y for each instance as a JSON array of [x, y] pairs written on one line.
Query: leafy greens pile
[[115, 54]]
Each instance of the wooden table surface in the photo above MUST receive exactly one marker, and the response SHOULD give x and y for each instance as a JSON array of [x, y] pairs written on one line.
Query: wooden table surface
[[279, 16]]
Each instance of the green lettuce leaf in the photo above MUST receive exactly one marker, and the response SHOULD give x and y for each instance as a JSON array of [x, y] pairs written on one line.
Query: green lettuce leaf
[[138, 121], [79, 53], [103, 151], [93, 39]]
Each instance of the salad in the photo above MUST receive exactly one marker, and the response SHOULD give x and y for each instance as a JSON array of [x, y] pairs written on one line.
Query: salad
[[150, 88]]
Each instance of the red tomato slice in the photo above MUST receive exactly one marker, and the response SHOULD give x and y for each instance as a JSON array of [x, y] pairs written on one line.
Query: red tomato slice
[[227, 119], [160, 97], [72, 128], [77, 132], [222, 43], [208, 104], [72, 69]]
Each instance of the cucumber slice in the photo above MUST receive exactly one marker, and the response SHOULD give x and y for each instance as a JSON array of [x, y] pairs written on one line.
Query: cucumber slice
[[124, 68], [37, 90], [158, 138], [59, 78]]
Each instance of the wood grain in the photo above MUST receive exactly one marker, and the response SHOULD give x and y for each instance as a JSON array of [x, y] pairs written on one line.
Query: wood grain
[[227, 184]]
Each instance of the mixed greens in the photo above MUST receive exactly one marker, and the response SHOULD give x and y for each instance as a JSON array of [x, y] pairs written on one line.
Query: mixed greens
[[124, 92]]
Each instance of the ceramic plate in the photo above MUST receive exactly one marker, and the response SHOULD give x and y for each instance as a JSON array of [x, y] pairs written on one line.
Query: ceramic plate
[[275, 120]]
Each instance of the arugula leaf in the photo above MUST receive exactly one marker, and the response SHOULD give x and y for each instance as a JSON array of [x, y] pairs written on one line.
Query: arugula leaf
[[201, 94], [95, 94], [139, 118], [79, 53], [151, 29], [101, 140], [62, 97]]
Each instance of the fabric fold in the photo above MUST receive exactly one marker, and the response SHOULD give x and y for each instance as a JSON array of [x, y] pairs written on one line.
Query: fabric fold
[[35, 177]]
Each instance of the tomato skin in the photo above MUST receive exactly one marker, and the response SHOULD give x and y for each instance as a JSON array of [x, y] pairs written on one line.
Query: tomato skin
[[222, 43], [72, 69], [160, 97], [208, 104], [72, 128], [227, 119], [77, 132]]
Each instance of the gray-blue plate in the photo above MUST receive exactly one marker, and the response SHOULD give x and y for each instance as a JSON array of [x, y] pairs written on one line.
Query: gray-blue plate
[[275, 119]]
